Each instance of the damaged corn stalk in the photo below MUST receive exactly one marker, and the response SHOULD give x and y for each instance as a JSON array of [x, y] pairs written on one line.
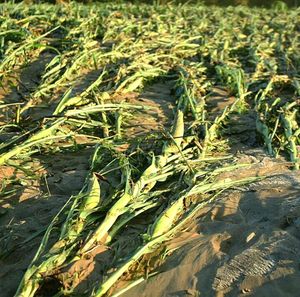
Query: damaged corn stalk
[[54, 130], [133, 197], [189, 90], [291, 132], [235, 81], [83, 205], [278, 123], [157, 171], [168, 223], [212, 131], [58, 255], [47, 134]]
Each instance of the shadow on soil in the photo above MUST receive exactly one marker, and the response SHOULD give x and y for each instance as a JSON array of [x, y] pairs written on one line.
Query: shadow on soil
[[26, 215]]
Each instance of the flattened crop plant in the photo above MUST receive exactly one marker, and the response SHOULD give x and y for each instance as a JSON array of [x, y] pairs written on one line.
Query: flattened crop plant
[[94, 63]]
